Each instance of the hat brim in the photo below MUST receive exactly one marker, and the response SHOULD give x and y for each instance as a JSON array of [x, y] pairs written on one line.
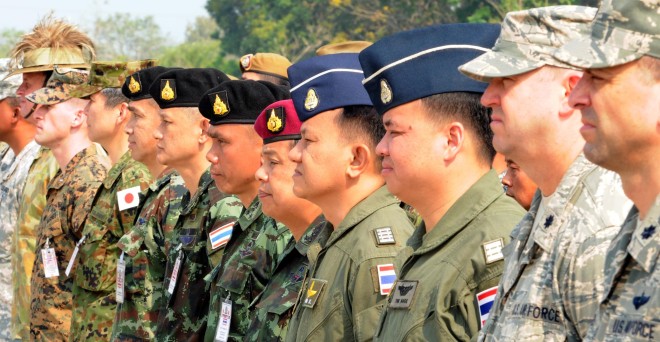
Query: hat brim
[[591, 54], [84, 90], [494, 64], [45, 68], [46, 96]]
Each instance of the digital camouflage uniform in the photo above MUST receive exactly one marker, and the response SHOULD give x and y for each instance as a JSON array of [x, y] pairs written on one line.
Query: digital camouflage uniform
[[347, 306], [95, 269], [30, 208], [256, 245], [553, 275], [13, 174], [272, 310], [69, 201], [145, 248], [441, 272], [183, 318]]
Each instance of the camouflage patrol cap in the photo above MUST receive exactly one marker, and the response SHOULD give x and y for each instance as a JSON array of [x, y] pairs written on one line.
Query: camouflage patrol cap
[[59, 87], [265, 63], [528, 39], [8, 85], [351, 46], [105, 74], [623, 31]]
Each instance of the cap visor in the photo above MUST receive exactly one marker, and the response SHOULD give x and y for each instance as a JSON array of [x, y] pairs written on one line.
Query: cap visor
[[590, 54], [45, 96], [494, 64]]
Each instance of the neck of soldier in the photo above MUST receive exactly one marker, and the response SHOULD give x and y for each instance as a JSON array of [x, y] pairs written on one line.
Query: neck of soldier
[[640, 179], [155, 168], [65, 149], [337, 204], [246, 197], [116, 146], [20, 136], [299, 219], [192, 170]]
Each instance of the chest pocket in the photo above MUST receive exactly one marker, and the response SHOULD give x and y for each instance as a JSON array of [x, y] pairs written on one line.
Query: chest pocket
[[235, 279]]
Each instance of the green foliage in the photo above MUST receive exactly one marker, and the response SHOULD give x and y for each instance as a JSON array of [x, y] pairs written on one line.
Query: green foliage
[[8, 38], [121, 36]]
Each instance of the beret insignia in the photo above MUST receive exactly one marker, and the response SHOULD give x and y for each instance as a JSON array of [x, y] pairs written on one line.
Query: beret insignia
[[166, 91], [275, 120], [311, 100], [220, 103], [246, 61], [134, 86], [385, 92]]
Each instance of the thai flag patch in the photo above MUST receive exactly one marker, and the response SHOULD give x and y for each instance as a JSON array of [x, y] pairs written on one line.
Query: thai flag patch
[[386, 278], [221, 235], [486, 299]]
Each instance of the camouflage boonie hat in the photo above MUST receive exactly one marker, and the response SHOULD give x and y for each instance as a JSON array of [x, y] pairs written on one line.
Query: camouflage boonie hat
[[623, 31], [8, 85], [528, 40], [59, 87], [109, 75]]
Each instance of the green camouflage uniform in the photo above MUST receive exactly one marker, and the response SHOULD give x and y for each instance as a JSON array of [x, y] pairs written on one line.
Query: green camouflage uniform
[[94, 302], [272, 310], [69, 201], [145, 248], [341, 283], [257, 244], [31, 207], [556, 266], [183, 318]]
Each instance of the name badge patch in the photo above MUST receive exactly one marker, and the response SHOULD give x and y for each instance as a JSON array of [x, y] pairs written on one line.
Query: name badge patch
[[384, 236], [493, 250], [313, 292], [403, 295]]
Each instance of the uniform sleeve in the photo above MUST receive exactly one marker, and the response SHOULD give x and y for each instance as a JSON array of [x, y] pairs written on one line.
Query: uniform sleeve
[[365, 299]]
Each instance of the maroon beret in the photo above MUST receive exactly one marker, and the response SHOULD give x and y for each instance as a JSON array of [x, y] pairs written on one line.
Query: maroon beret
[[279, 121]]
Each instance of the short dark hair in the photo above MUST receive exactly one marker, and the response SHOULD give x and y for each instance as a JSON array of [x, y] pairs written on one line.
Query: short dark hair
[[113, 97], [361, 123], [275, 80], [467, 109]]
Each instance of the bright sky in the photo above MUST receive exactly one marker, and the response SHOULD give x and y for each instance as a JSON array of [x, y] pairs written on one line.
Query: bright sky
[[171, 15]]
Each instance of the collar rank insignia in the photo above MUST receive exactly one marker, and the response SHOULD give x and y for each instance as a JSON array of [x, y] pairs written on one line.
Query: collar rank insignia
[[648, 232], [311, 100], [638, 301], [548, 221], [385, 92], [275, 120], [246, 61], [313, 292], [166, 91], [134, 86], [220, 107]]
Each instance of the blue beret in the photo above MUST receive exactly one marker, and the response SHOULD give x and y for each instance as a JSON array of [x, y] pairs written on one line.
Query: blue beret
[[414, 64], [184, 87], [327, 82]]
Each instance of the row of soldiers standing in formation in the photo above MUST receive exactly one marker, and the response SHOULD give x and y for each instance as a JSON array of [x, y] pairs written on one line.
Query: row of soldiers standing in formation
[[150, 203]]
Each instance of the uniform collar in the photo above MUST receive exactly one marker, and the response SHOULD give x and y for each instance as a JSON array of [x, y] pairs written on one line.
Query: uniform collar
[[203, 185], [58, 181], [643, 246], [250, 214], [318, 231], [116, 170]]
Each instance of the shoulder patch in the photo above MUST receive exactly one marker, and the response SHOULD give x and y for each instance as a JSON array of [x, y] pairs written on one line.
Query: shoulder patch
[[128, 198], [485, 299], [386, 278], [493, 250], [220, 236], [403, 294], [384, 236]]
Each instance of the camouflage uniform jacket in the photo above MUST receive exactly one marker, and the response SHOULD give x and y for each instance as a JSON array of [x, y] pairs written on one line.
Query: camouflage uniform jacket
[[183, 318], [556, 267], [441, 272], [95, 270], [630, 307], [256, 246], [13, 173], [341, 297], [30, 208], [145, 248], [272, 310], [69, 201]]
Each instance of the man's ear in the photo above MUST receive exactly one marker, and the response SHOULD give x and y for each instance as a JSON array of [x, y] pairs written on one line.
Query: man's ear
[[204, 126], [570, 80], [79, 118], [124, 114], [360, 160], [455, 137]]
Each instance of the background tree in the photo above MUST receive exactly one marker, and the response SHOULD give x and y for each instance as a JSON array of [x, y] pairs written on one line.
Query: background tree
[[9, 38], [121, 36]]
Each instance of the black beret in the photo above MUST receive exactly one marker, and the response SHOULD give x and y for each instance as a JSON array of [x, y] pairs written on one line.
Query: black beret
[[413, 64], [136, 86], [184, 87], [240, 101]]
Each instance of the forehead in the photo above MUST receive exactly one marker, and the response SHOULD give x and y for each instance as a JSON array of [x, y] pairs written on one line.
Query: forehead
[[404, 113], [322, 122], [277, 148]]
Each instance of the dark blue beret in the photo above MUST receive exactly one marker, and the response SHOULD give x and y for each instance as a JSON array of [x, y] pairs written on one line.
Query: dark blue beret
[[327, 82], [240, 101], [184, 87], [136, 86], [418, 63]]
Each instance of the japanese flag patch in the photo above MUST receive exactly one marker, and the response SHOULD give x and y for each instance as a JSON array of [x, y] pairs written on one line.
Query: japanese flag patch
[[386, 278], [485, 299], [128, 198], [221, 235]]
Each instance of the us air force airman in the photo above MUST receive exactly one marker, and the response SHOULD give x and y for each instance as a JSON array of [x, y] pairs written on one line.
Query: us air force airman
[[256, 243], [279, 127], [337, 169], [618, 97], [437, 156]]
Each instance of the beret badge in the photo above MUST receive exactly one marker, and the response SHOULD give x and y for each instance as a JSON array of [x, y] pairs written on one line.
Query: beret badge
[[134, 86], [311, 100], [275, 120], [220, 103], [385, 92], [166, 91], [246, 61]]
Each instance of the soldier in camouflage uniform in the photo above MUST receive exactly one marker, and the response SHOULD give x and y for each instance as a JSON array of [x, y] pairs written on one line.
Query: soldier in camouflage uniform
[[256, 243], [61, 125], [279, 127], [36, 56], [338, 170], [114, 206], [145, 246], [191, 256], [618, 97], [553, 273]]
